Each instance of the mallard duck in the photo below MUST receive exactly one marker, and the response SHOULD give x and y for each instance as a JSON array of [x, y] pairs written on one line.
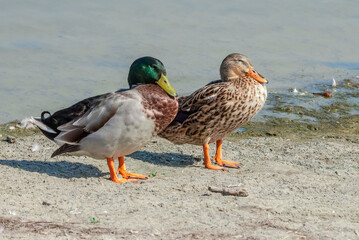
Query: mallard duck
[[115, 124], [217, 109]]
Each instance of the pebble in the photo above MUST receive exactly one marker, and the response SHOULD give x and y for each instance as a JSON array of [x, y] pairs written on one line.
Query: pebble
[[10, 139], [35, 147], [12, 212], [324, 94]]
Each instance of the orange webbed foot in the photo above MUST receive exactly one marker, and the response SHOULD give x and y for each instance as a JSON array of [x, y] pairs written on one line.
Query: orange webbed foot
[[218, 157], [119, 180], [113, 174], [127, 175], [207, 160], [213, 167], [230, 164]]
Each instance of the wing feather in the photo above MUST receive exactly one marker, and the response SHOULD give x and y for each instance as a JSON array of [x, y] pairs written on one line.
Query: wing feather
[[92, 120], [202, 97]]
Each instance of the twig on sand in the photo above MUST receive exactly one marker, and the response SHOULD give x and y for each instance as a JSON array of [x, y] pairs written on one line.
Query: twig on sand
[[225, 192]]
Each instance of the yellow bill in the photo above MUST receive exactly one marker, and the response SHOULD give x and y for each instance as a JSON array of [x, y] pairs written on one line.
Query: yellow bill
[[165, 85]]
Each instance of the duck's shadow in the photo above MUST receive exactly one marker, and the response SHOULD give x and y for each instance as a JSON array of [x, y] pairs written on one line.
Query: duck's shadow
[[165, 159], [64, 169], [60, 169]]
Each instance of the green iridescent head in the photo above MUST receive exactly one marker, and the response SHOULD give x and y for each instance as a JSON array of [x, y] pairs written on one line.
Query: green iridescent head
[[147, 70]]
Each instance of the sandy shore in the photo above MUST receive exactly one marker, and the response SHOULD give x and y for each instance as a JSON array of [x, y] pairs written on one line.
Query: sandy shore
[[298, 189]]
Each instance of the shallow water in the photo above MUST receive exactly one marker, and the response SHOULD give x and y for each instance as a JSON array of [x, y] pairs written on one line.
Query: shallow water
[[53, 54]]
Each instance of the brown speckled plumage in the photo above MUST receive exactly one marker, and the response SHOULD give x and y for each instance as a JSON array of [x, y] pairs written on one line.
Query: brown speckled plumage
[[158, 105], [217, 109], [214, 118]]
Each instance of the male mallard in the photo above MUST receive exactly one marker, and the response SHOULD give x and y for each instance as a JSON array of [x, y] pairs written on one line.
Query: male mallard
[[217, 109], [116, 124]]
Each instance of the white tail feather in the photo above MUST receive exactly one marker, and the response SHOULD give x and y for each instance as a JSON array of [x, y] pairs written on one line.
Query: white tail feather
[[40, 124]]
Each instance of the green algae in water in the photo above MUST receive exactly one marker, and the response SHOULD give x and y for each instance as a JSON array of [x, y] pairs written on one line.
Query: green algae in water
[[304, 105], [349, 83], [346, 127], [303, 115]]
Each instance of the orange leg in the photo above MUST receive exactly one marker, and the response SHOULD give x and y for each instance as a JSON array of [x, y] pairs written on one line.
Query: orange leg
[[113, 174], [219, 160], [122, 170], [207, 160]]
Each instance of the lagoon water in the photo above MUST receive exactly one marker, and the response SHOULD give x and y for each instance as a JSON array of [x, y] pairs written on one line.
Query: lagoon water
[[54, 53]]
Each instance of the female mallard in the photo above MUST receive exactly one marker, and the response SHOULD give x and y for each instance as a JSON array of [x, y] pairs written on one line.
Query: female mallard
[[217, 109], [116, 124]]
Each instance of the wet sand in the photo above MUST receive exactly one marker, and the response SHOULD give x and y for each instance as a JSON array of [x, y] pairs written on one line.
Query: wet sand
[[300, 184]]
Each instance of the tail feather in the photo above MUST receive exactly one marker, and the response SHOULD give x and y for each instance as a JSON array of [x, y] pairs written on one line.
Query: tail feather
[[46, 130], [51, 133], [66, 148], [38, 122]]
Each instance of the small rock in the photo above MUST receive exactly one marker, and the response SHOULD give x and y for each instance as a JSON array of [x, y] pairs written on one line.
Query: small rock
[[133, 231], [312, 128], [2, 229], [271, 134], [35, 147], [324, 94], [46, 203], [74, 211], [10, 139], [12, 212], [12, 128]]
